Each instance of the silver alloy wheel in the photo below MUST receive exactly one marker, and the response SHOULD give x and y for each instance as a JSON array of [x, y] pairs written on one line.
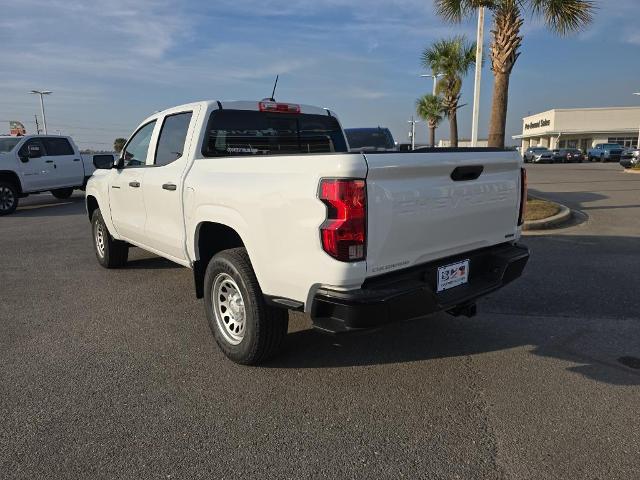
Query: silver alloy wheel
[[7, 199], [99, 237], [228, 307]]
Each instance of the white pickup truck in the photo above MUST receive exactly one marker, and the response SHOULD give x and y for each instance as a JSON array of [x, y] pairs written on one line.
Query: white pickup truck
[[39, 163], [265, 203]]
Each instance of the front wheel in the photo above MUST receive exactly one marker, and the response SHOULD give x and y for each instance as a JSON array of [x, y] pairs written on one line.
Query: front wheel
[[247, 330], [111, 253], [62, 193], [8, 198]]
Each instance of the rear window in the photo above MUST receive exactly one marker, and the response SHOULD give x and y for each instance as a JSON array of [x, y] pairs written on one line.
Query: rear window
[[245, 132], [370, 138], [57, 146]]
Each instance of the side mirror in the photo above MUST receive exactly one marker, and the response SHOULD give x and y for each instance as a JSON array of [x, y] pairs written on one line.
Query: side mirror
[[33, 151], [103, 162]]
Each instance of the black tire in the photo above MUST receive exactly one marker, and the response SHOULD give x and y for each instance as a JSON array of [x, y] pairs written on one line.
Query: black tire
[[113, 253], [8, 198], [264, 327], [62, 193]]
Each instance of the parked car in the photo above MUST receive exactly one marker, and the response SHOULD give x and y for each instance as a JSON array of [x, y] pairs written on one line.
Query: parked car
[[630, 157], [605, 152], [538, 155], [568, 155], [39, 163], [230, 190], [370, 140]]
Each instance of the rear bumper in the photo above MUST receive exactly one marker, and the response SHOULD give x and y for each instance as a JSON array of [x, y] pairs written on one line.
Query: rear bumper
[[411, 293]]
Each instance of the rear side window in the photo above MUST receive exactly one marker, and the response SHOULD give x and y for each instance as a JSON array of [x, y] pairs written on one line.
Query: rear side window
[[245, 132], [172, 138], [57, 146]]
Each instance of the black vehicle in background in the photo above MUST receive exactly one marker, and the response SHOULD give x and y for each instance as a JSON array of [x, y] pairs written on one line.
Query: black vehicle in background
[[370, 140], [568, 155]]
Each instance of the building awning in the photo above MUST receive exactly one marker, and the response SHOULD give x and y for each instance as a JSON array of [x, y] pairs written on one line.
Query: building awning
[[631, 131]]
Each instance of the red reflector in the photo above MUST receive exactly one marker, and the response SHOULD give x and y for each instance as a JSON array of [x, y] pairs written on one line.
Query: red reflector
[[523, 196], [344, 232], [279, 107]]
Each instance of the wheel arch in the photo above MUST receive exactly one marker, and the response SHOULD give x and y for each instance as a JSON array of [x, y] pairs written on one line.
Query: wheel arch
[[211, 238], [11, 176]]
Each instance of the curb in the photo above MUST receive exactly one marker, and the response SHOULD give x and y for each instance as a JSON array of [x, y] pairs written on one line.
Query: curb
[[632, 170], [549, 223]]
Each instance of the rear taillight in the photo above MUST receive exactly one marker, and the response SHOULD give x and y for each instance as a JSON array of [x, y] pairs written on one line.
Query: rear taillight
[[343, 233], [276, 107], [523, 196]]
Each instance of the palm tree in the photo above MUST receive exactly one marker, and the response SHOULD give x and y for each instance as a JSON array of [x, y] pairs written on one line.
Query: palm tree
[[560, 16], [452, 58], [118, 144], [430, 109]]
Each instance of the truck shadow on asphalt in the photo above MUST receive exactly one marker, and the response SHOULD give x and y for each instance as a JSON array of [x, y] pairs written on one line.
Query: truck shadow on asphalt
[[573, 304], [46, 205]]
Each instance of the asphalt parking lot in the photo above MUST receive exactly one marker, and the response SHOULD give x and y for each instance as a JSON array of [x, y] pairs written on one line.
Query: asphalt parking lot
[[114, 374]]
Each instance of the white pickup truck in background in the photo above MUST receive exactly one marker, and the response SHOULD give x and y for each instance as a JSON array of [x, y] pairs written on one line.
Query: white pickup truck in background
[[39, 163], [267, 206]]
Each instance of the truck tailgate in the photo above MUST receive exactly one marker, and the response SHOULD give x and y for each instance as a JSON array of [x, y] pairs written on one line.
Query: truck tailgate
[[422, 206]]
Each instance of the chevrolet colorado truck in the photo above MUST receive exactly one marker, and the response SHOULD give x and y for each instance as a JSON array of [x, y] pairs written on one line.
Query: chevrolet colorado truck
[[264, 202], [39, 163]]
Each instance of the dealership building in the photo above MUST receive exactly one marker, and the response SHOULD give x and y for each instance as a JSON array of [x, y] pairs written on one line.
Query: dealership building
[[581, 128]]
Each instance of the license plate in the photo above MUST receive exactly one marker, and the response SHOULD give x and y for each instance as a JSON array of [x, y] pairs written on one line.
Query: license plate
[[453, 275]]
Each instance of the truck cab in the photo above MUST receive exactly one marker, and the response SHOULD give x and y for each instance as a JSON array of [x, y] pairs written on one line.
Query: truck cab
[[39, 163]]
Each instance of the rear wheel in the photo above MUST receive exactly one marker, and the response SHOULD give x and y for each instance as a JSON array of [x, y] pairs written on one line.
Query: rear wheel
[[246, 329], [111, 253], [62, 193], [8, 198]]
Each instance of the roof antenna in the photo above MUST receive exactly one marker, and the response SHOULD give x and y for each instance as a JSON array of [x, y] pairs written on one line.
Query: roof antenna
[[274, 89]]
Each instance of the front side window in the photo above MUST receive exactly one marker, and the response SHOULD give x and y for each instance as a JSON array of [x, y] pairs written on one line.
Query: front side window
[[172, 138], [135, 153], [33, 143], [57, 146], [373, 138], [246, 132]]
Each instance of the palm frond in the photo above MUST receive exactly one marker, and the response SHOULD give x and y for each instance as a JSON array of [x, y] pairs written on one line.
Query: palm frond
[[564, 16]]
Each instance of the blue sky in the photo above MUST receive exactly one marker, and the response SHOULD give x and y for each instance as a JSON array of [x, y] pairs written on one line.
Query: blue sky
[[113, 62]]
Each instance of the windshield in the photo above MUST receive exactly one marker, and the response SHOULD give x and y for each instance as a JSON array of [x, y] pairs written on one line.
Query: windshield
[[369, 138], [7, 144], [247, 132], [612, 145]]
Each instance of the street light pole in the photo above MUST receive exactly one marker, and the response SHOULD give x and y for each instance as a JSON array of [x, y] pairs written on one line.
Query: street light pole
[[435, 80], [638, 145], [42, 93], [478, 79], [412, 133]]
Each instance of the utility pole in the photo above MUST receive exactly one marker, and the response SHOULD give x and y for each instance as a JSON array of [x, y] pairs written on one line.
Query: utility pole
[[37, 125], [42, 93], [412, 132], [435, 76], [478, 79]]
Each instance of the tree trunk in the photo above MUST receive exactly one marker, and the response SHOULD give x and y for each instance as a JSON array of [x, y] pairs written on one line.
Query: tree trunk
[[498, 122], [504, 53], [432, 135], [453, 128]]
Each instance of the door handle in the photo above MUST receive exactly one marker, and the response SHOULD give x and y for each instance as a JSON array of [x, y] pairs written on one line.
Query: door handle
[[134, 184], [169, 186], [48, 161], [76, 159], [464, 174]]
